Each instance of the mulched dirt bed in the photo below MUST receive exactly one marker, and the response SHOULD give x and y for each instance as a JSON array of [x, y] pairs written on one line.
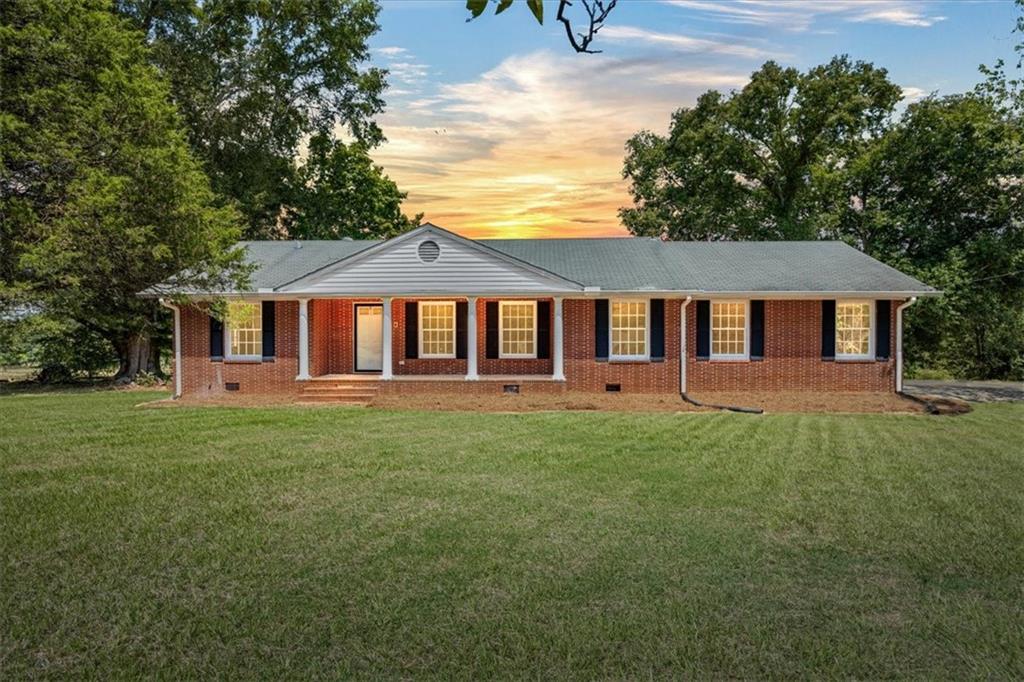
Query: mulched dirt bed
[[795, 401], [769, 402], [811, 402], [537, 403]]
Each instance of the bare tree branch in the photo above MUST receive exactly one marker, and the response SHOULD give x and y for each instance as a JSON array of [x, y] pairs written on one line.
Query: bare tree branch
[[597, 11]]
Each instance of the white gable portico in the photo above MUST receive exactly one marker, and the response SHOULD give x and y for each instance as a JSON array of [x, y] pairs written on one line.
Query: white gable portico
[[430, 261]]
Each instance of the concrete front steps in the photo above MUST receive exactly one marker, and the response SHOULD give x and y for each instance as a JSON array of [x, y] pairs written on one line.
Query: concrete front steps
[[350, 389]]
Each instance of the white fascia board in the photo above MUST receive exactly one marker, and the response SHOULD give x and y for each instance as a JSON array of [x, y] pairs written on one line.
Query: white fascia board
[[570, 293]]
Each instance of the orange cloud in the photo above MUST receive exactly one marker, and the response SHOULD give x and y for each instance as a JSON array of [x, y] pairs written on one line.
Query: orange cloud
[[534, 147]]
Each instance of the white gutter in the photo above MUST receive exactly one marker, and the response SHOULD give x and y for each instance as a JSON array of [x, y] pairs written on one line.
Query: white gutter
[[566, 294], [177, 345], [899, 342], [682, 344]]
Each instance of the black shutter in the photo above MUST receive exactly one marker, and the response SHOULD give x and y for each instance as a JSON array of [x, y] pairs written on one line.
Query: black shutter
[[882, 309], [828, 330], [268, 330], [543, 329], [703, 330], [216, 339], [461, 338], [412, 329], [601, 328], [491, 315], [757, 330], [657, 329]]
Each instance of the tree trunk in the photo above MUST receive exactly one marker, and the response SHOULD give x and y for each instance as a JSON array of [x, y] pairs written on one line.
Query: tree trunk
[[138, 353]]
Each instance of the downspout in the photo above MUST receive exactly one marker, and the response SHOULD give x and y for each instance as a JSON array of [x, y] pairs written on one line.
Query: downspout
[[682, 369], [899, 342], [177, 345], [682, 345]]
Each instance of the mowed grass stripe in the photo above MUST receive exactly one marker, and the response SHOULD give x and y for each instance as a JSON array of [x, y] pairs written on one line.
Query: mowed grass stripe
[[288, 542]]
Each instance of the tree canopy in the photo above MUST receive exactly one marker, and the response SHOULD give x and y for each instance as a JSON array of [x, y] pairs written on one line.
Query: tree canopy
[[742, 166], [101, 197], [937, 191], [255, 81]]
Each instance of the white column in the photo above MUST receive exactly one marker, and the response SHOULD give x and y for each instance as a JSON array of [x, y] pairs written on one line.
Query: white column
[[303, 340], [558, 357], [386, 371], [471, 332]]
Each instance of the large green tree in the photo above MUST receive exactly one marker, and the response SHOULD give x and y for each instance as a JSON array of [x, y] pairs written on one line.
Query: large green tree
[[941, 195], [344, 194], [100, 196], [254, 81], [937, 191], [742, 166]]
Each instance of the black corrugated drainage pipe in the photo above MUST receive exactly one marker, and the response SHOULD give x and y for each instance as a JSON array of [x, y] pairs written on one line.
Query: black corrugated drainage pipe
[[731, 408]]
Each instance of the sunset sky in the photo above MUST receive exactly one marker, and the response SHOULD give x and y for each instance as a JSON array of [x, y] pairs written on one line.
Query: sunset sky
[[496, 128]]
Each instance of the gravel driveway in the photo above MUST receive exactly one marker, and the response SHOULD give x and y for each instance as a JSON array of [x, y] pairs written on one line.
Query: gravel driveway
[[975, 391]]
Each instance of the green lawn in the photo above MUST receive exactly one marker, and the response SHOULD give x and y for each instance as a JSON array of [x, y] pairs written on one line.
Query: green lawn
[[193, 542]]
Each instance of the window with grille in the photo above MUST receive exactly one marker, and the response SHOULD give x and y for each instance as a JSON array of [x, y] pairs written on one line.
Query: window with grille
[[244, 328], [729, 329], [517, 325], [437, 329], [628, 329], [853, 329]]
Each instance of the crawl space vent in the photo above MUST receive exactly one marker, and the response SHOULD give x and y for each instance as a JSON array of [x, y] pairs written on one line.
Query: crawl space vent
[[613, 388], [231, 386], [511, 388], [428, 251]]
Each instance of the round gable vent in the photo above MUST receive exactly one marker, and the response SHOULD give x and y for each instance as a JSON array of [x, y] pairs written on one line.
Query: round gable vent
[[429, 251]]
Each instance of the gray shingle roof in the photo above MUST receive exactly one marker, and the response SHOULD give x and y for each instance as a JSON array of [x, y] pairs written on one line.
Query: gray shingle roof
[[280, 262], [638, 264]]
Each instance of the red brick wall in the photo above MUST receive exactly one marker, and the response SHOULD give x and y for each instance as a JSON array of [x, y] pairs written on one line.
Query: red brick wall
[[792, 348], [792, 355], [583, 373], [204, 377], [331, 335], [489, 366]]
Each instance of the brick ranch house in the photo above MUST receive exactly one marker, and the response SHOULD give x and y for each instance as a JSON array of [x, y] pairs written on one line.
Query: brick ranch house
[[431, 311]]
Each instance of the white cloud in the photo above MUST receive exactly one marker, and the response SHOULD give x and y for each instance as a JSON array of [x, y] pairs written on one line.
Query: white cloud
[[391, 51], [641, 37], [800, 15], [912, 94]]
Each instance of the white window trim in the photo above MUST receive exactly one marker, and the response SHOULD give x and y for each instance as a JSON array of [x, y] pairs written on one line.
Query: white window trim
[[501, 331], [745, 355], [228, 355], [647, 330], [870, 355], [455, 331]]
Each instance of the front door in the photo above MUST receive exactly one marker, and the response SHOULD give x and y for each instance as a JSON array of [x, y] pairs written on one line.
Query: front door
[[369, 338]]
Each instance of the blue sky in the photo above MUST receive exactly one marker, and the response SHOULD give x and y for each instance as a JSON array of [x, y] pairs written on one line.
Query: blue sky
[[497, 128]]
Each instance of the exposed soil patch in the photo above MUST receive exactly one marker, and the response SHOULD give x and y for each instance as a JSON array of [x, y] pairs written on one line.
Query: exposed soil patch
[[795, 401], [941, 404], [606, 402], [809, 401]]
